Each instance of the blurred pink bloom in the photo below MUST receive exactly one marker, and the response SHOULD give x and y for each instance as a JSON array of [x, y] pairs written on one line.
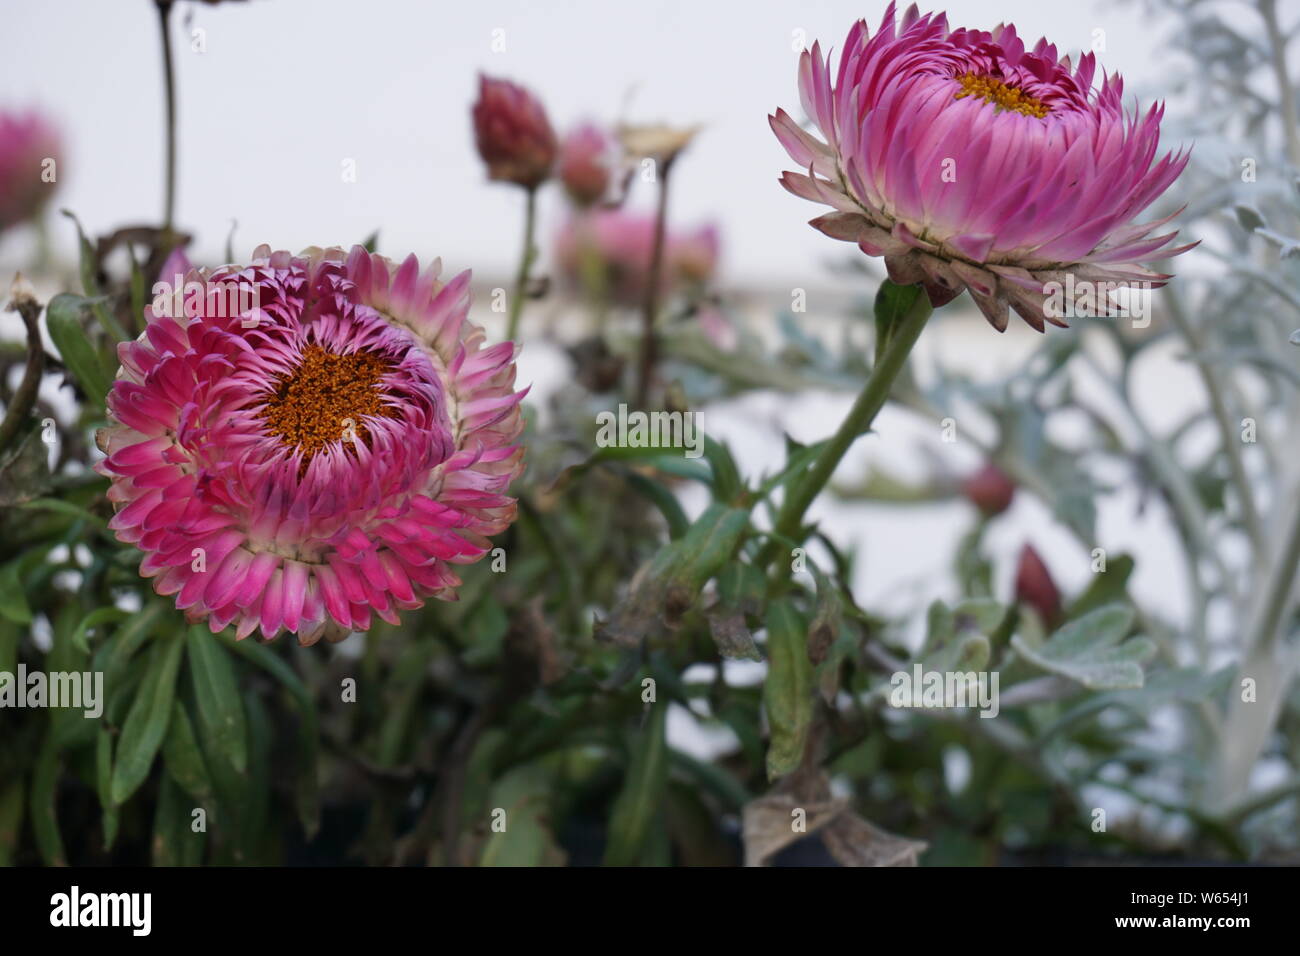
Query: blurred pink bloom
[[969, 161], [586, 164], [176, 264], [513, 135], [29, 166], [325, 452], [608, 251]]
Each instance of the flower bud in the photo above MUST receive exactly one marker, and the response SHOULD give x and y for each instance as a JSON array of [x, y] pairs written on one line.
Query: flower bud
[[989, 489], [1035, 587], [585, 164], [512, 133]]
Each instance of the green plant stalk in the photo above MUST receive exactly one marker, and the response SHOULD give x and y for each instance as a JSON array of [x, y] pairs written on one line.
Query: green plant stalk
[[869, 402], [525, 264]]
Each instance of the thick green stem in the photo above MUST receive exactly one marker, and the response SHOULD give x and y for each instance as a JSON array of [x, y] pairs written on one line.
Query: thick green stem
[[869, 402], [525, 264]]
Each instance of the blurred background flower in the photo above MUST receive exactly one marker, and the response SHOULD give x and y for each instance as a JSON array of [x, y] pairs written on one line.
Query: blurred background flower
[[30, 152]]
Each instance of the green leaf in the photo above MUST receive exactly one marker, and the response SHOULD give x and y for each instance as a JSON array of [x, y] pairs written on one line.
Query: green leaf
[[1107, 587], [128, 639], [103, 786], [146, 722], [90, 285], [727, 485], [828, 617], [138, 285], [787, 691], [521, 837], [92, 620], [307, 787], [743, 587], [669, 586], [63, 319], [221, 713], [663, 499], [62, 507], [11, 819], [44, 804], [642, 795], [183, 758], [175, 842], [13, 600], [1088, 650]]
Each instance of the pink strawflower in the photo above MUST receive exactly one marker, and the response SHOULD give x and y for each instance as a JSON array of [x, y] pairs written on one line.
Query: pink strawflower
[[968, 161], [586, 164], [609, 251], [311, 440], [29, 166], [512, 133]]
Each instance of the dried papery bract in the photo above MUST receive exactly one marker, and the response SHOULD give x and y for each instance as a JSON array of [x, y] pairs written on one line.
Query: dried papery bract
[[970, 162], [327, 456]]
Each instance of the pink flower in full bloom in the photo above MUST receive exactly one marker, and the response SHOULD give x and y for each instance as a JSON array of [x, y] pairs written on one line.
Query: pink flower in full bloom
[[301, 443], [609, 252], [586, 164], [512, 133], [29, 161], [970, 161]]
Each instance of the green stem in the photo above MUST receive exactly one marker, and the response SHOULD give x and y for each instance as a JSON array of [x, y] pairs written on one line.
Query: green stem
[[525, 264], [874, 394]]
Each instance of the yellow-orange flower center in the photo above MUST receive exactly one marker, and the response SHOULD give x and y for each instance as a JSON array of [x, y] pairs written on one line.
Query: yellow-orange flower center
[[1003, 96], [325, 398]]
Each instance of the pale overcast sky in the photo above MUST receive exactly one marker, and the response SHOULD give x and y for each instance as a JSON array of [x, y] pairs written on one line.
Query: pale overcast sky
[[286, 90]]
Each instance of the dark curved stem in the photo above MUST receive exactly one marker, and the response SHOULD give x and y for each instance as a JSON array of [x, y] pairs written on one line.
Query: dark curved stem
[[169, 80], [24, 399], [649, 344]]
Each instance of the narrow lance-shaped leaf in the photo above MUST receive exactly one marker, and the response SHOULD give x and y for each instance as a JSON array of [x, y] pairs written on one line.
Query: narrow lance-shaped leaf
[[146, 722], [643, 791], [221, 713], [104, 786], [787, 691], [44, 803], [182, 756]]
